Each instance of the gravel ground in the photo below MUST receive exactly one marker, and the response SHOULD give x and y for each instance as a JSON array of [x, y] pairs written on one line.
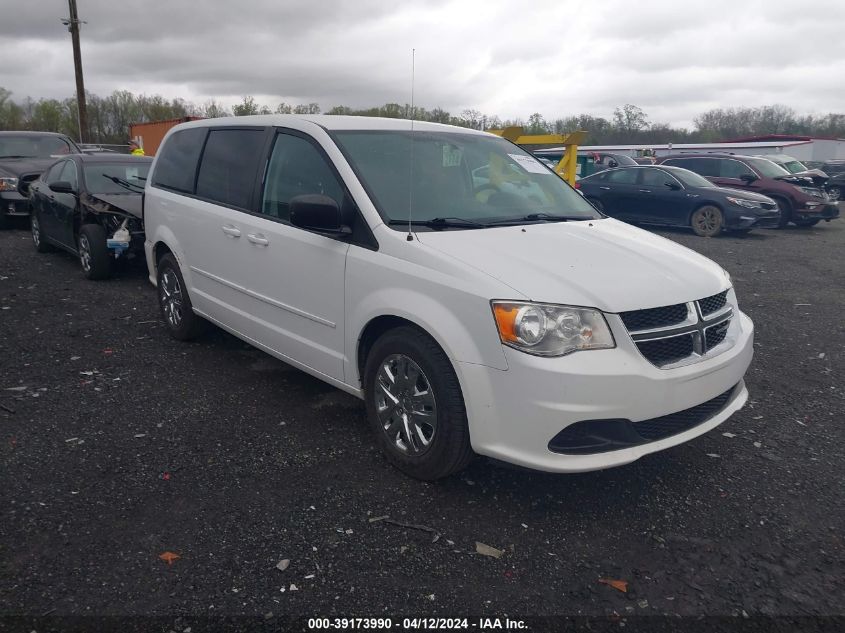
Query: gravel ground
[[119, 444]]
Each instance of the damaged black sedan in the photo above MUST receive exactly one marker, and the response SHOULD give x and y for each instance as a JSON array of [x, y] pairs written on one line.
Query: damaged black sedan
[[90, 206]]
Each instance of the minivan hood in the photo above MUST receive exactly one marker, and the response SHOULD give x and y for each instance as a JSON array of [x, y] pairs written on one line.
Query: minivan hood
[[604, 264]]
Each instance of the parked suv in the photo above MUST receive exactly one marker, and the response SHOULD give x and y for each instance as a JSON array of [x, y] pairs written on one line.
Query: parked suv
[[835, 169], [503, 315], [23, 157], [800, 201]]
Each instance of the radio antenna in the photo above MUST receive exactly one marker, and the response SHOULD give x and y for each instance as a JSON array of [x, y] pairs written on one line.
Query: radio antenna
[[410, 236]]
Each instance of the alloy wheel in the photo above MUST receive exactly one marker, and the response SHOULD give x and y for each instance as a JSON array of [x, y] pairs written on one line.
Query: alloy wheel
[[85, 253], [36, 231], [171, 297], [406, 405]]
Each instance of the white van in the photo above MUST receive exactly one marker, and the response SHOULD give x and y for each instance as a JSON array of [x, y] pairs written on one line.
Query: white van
[[472, 298]]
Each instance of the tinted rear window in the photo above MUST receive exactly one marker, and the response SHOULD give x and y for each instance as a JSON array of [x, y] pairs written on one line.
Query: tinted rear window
[[229, 166], [177, 161], [703, 166]]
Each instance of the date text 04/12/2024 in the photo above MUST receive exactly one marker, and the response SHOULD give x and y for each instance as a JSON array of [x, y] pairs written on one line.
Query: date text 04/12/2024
[[480, 624]]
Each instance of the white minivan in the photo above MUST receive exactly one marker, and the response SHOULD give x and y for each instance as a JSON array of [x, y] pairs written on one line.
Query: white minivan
[[469, 295]]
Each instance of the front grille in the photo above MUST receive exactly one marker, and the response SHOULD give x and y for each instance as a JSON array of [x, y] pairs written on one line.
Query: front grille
[[712, 304], [667, 350], [670, 334], [674, 423], [24, 182], [715, 334], [589, 437], [654, 317]]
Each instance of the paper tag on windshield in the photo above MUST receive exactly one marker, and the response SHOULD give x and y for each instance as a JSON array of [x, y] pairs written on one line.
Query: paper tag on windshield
[[451, 156], [531, 165]]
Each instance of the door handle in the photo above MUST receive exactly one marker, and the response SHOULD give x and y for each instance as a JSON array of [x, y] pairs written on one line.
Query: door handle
[[645, 190], [231, 231], [605, 188], [257, 238]]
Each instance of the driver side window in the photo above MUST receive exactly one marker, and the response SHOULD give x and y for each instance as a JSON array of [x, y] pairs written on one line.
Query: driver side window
[[69, 174], [54, 173], [297, 168]]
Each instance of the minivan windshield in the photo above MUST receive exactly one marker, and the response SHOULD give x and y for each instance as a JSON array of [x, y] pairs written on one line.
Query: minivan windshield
[[455, 180]]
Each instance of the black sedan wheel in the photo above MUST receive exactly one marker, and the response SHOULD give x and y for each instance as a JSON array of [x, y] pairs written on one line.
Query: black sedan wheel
[[707, 221], [93, 252], [38, 235]]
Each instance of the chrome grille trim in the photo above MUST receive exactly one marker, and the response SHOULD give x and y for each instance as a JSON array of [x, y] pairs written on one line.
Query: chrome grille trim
[[708, 330]]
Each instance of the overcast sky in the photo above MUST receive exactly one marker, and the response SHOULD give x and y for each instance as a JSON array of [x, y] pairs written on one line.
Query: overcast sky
[[674, 59]]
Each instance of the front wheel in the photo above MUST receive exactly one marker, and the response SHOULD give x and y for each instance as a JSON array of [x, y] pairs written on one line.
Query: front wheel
[[707, 221], [415, 405], [93, 252]]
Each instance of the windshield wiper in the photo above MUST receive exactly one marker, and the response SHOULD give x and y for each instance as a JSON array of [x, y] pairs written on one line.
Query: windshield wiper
[[441, 223], [538, 217], [124, 183]]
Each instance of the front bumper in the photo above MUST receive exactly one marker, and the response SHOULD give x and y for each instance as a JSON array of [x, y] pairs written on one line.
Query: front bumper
[[515, 414], [823, 211], [13, 203], [748, 219]]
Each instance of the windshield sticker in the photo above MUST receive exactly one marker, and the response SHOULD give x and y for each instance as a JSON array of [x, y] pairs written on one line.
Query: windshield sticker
[[452, 156], [531, 165]]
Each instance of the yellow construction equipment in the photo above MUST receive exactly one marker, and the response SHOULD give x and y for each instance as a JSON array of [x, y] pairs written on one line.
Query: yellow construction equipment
[[568, 162]]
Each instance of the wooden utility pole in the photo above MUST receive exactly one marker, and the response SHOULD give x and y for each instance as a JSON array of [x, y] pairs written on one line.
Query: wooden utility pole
[[73, 26]]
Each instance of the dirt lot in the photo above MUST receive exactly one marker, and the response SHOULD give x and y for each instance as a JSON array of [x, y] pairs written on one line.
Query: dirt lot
[[119, 444]]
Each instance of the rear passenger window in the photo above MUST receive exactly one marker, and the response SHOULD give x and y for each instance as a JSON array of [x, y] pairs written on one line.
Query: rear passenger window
[[622, 176], [297, 168], [176, 167], [229, 166], [708, 167]]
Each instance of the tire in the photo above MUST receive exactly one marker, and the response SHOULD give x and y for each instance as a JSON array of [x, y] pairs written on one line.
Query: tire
[[596, 203], [707, 221], [38, 240], [806, 223], [94, 255], [439, 444], [785, 207], [175, 304]]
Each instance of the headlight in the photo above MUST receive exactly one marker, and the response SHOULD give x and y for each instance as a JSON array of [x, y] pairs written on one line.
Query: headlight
[[544, 329], [748, 204], [810, 191], [8, 184]]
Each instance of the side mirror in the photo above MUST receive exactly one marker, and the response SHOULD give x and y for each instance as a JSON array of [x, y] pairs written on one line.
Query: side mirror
[[672, 185], [62, 186], [748, 178], [319, 213], [612, 163]]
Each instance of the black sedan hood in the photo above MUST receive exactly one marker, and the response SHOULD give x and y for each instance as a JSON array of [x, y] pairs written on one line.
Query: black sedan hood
[[120, 203], [19, 166], [745, 194]]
